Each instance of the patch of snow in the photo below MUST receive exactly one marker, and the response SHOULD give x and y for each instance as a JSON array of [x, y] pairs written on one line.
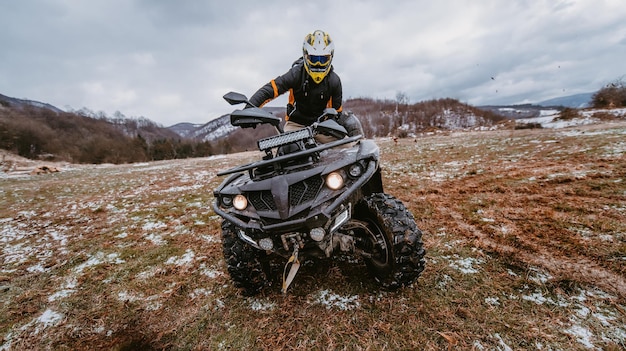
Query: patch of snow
[[582, 335], [478, 346], [210, 238], [537, 297], [330, 300], [200, 292], [152, 304], [493, 301], [181, 189], [465, 265], [71, 282], [8, 338], [183, 260], [49, 318], [149, 273], [156, 239], [38, 268], [210, 272], [219, 304], [97, 259], [538, 276], [153, 225], [259, 305], [503, 345], [68, 288], [549, 118], [445, 280], [125, 296]]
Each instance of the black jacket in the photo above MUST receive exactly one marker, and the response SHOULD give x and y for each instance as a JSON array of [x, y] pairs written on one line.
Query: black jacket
[[307, 100]]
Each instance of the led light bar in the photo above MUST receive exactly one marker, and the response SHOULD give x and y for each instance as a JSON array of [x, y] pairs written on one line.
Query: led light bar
[[284, 139]]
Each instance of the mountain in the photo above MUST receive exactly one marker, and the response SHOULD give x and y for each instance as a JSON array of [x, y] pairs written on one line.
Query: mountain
[[215, 129], [7, 101], [184, 129], [574, 101], [210, 131], [542, 108]]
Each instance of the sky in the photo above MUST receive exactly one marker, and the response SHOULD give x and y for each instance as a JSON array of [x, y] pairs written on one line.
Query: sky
[[172, 61]]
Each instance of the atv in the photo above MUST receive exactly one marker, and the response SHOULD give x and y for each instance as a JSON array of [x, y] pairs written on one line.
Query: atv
[[305, 200]]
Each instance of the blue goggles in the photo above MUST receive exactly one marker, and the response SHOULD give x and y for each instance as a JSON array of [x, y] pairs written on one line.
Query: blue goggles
[[318, 60]]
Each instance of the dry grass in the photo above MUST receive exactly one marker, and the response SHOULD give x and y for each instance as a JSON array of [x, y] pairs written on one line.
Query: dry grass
[[525, 232]]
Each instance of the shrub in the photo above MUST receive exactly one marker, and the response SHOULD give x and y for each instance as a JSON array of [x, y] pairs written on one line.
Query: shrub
[[611, 96], [532, 125], [604, 116], [568, 114]]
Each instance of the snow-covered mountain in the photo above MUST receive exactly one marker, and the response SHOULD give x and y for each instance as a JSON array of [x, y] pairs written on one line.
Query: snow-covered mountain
[[21, 103], [210, 131], [214, 129], [574, 101]]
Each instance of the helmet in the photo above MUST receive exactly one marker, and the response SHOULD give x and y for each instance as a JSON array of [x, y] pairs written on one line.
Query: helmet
[[317, 51]]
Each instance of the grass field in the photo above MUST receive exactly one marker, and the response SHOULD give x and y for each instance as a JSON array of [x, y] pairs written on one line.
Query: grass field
[[525, 232]]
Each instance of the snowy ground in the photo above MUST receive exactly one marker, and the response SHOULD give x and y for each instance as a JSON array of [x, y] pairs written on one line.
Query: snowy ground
[[130, 255], [550, 118]]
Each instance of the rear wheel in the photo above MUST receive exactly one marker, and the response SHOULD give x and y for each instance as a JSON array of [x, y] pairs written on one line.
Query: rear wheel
[[394, 252], [246, 264]]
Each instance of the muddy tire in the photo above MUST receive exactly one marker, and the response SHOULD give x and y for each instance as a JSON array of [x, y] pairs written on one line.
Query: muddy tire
[[246, 264], [393, 240]]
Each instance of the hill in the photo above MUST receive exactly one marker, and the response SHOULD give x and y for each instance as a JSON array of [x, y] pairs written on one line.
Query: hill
[[524, 232], [379, 118], [389, 118], [6, 101], [41, 131]]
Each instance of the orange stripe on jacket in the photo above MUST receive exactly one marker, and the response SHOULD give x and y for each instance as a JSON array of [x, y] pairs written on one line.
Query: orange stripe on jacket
[[275, 88], [330, 104]]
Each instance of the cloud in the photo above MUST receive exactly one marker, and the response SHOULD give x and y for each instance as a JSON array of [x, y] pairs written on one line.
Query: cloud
[[172, 61]]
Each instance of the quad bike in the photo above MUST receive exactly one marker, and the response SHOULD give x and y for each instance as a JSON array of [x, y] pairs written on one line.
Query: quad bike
[[306, 200]]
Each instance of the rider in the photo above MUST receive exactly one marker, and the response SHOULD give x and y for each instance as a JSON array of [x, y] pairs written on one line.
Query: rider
[[313, 86]]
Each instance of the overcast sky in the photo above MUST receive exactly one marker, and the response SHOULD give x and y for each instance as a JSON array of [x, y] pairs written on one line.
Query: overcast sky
[[172, 61]]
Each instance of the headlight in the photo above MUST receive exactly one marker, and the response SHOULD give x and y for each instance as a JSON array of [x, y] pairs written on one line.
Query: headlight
[[266, 244], [227, 201], [355, 170], [317, 234], [240, 202], [334, 181]]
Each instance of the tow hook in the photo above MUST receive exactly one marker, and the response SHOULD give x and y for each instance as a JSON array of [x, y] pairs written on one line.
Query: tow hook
[[295, 265]]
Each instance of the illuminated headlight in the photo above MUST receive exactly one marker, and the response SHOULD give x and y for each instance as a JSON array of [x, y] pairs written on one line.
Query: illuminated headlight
[[317, 234], [227, 201], [355, 170], [334, 181], [266, 244], [240, 202]]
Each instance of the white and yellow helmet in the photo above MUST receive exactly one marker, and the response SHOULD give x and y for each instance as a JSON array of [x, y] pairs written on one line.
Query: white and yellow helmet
[[318, 50]]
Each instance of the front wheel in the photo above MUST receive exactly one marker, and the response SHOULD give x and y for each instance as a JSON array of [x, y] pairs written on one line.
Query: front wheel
[[391, 241], [247, 265]]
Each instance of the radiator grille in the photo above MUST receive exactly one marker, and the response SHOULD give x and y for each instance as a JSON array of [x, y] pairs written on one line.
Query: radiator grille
[[304, 191]]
